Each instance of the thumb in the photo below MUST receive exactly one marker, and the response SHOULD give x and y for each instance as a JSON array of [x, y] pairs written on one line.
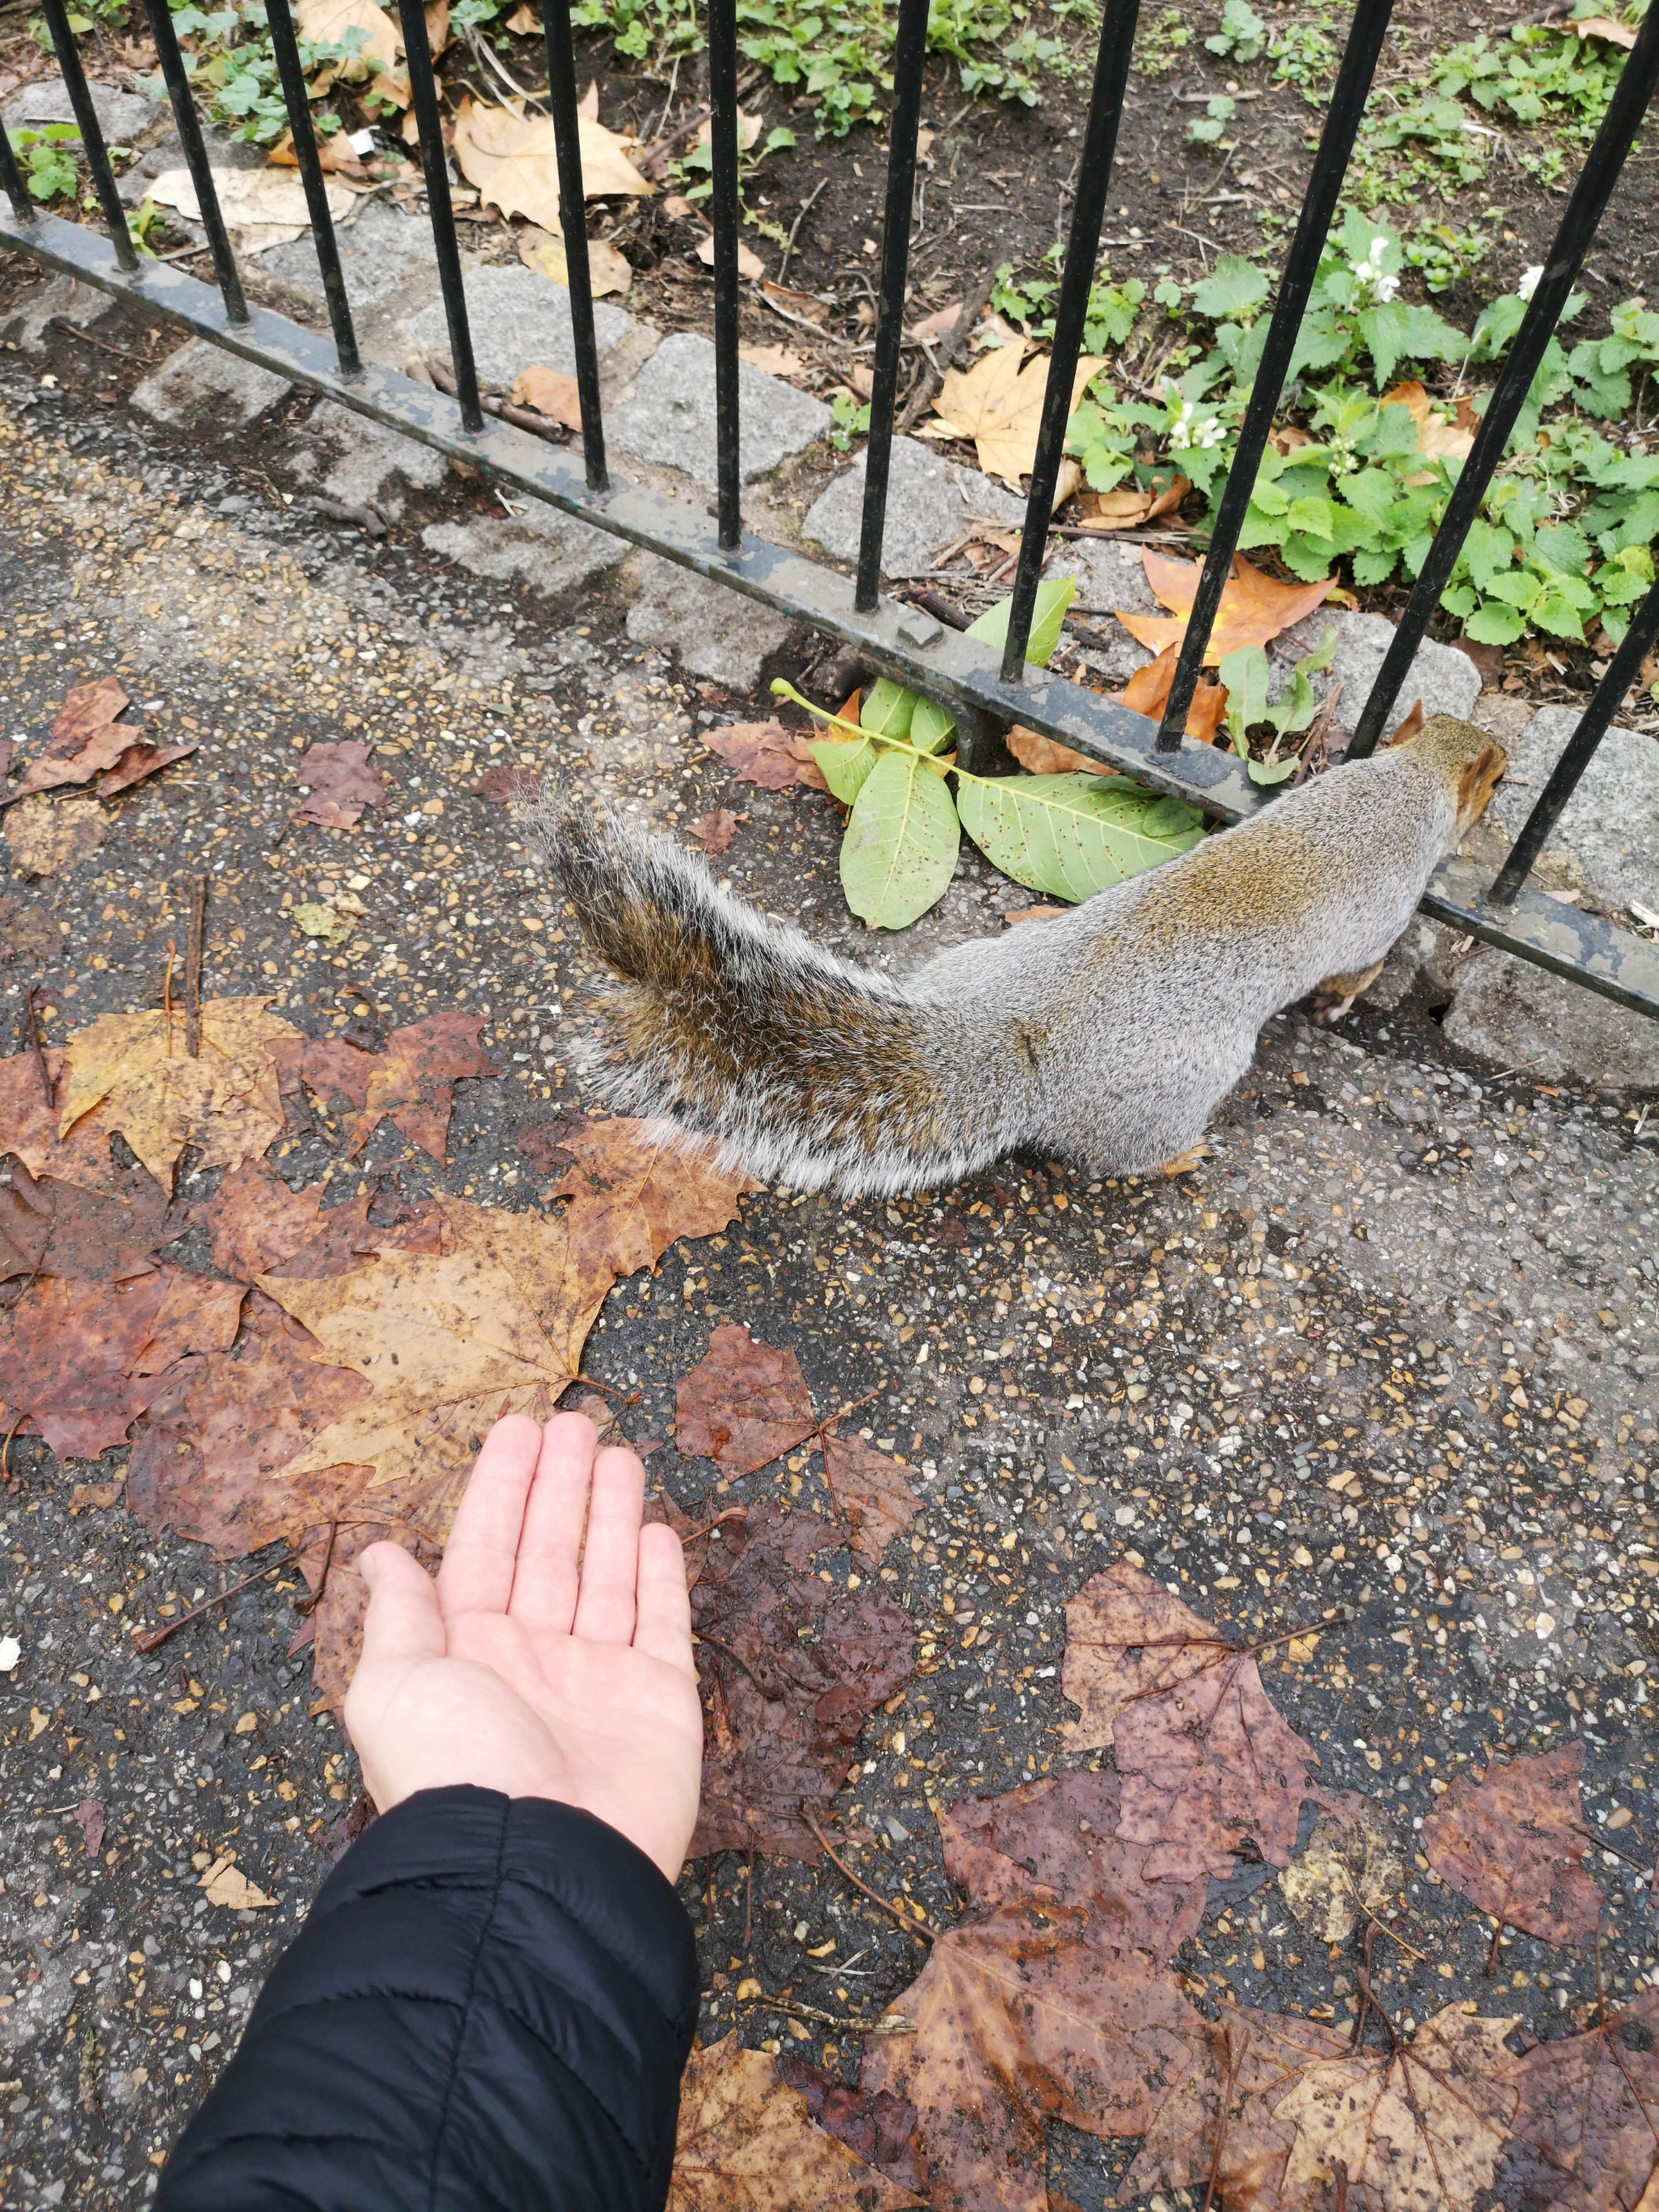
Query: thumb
[[403, 1621]]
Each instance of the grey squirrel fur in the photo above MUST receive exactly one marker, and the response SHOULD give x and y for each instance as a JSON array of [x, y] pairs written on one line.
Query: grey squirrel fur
[[1107, 1034]]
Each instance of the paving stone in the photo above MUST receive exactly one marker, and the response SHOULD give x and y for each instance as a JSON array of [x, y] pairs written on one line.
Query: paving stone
[[121, 116], [384, 252], [543, 547], [1523, 1017], [930, 501], [671, 417], [1609, 836], [1447, 681], [351, 457], [63, 299], [519, 317], [718, 633], [201, 380]]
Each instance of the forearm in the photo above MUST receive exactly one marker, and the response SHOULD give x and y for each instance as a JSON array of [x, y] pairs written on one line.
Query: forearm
[[489, 2006]]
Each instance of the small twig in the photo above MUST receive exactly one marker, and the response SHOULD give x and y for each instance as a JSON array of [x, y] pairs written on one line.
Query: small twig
[[308, 1605], [961, 330], [1602, 1845], [922, 1927], [1492, 1955], [1382, 1927], [193, 968], [890, 2024], [167, 993], [6, 1475], [748, 1898], [1224, 1650], [38, 1048], [152, 1637], [801, 214], [70, 331], [732, 1513], [1224, 2116], [522, 418]]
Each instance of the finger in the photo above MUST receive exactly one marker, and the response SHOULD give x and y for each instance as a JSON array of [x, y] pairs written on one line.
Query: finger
[[663, 1628], [611, 1556], [476, 1575], [545, 1580], [402, 1621]]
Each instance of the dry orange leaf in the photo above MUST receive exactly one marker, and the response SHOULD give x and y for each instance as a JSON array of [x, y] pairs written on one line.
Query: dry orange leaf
[[747, 2143], [998, 405], [633, 1196], [1147, 692], [750, 264], [1603, 27], [1042, 757], [551, 393], [1438, 438], [1254, 607], [1130, 507], [226, 1886], [608, 269], [86, 738], [775, 360], [513, 163]]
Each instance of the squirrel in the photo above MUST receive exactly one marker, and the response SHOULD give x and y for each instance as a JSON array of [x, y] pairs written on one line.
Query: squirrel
[[1107, 1033]]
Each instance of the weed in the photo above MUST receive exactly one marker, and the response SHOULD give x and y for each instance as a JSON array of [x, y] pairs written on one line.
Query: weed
[[1160, 44], [48, 163], [1243, 36], [850, 419]]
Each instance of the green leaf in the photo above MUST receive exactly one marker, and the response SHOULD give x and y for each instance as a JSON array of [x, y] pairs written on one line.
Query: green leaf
[[1233, 286], [932, 726], [1272, 771], [1070, 836], [1052, 600], [886, 708], [845, 763], [900, 851], [1245, 675], [1494, 624]]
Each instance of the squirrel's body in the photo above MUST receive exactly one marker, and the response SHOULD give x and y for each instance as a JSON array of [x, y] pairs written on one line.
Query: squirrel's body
[[1108, 1034]]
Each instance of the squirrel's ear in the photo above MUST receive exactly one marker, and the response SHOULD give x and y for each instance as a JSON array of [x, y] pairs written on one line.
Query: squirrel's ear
[[1478, 782], [1409, 728]]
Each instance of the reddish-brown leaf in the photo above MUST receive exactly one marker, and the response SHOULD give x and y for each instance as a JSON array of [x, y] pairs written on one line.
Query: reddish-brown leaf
[[875, 2125], [1586, 2132], [259, 1226], [714, 832], [789, 1672], [32, 1127], [633, 1196], [53, 1227], [90, 1817], [748, 2143], [545, 1145], [870, 1491], [1205, 1760], [340, 783], [743, 1405], [762, 753], [1513, 1844], [86, 738], [136, 764], [85, 1359], [412, 1083], [508, 786]]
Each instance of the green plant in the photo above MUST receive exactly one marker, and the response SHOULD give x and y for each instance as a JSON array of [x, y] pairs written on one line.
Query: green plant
[[49, 165], [1161, 43], [1443, 257], [1538, 73], [1206, 130], [1067, 836], [1303, 55], [850, 419], [1108, 319], [1243, 36], [141, 221], [1246, 674]]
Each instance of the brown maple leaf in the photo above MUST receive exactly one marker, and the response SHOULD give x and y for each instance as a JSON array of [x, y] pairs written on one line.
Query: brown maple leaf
[[762, 753], [81, 1157], [338, 782], [1513, 1844], [747, 2142], [1586, 2130], [1415, 2128], [412, 1083], [258, 1225], [638, 1196], [1206, 1761], [86, 739], [53, 1227], [870, 1491], [137, 765], [790, 1673], [714, 832], [880, 2127], [743, 1405], [85, 1359]]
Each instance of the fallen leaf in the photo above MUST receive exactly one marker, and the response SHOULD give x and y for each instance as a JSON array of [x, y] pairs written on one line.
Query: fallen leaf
[[1130, 509], [759, 752], [508, 786], [1147, 692], [790, 302], [714, 832], [1418, 2129], [544, 1145], [1206, 1761], [551, 393], [1042, 757], [747, 2143], [312, 919], [608, 269], [86, 738], [134, 1070], [773, 360], [998, 404], [334, 155], [633, 1196], [1438, 438], [749, 131], [524, 22], [1604, 28], [412, 1084], [225, 1885], [259, 1226], [877, 2126], [262, 207], [1254, 608], [939, 325], [55, 1228], [26, 927], [1351, 1869], [743, 1405], [46, 836], [790, 1671], [750, 264], [90, 1817], [85, 1359], [1584, 2132], [512, 161], [327, 22], [872, 1492], [340, 783], [83, 1156], [137, 763], [1513, 1844], [1035, 913]]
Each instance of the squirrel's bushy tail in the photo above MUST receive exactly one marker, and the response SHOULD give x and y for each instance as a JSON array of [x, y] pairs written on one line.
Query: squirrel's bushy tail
[[803, 1066]]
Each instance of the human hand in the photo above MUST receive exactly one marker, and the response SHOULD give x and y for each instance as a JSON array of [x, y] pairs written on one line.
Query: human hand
[[515, 1672]]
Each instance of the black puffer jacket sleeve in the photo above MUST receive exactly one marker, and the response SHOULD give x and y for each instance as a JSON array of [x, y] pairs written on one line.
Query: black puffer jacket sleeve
[[488, 2010]]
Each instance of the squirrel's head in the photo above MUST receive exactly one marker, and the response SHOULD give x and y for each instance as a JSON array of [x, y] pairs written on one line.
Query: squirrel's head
[[1469, 759]]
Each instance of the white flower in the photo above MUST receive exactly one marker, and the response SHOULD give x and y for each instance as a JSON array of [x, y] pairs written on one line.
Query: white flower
[[1187, 433], [10, 1652], [1529, 280], [1371, 281]]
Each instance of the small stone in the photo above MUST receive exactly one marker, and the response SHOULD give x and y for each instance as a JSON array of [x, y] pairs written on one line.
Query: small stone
[[10, 1652], [543, 547], [931, 502], [718, 633], [1608, 832], [671, 417], [201, 380], [518, 318], [1520, 1016]]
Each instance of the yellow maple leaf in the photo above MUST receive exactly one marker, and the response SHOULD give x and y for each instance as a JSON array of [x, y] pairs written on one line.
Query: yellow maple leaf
[[998, 403], [512, 161], [327, 22]]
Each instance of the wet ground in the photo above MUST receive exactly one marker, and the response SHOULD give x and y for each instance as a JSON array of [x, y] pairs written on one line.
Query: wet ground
[[1391, 1349]]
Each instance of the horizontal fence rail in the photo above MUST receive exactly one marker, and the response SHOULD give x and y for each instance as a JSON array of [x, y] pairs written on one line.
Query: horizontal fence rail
[[989, 690]]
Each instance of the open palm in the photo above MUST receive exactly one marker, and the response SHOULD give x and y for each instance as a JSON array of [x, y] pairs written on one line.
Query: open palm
[[552, 1657]]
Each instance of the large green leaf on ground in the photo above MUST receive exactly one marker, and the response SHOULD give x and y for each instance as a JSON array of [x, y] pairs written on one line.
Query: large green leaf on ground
[[1072, 835], [886, 709], [931, 725], [900, 850], [846, 763]]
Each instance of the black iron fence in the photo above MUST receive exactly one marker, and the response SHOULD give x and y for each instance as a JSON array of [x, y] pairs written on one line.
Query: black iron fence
[[901, 642]]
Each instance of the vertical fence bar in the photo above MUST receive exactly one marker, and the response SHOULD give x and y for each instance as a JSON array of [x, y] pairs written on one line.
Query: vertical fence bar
[[1585, 209], [723, 153], [196, 159], [297, 101], [12, 182], [1117, 32], [1353, 82], [1580, 750], [572, 217], [92, 137], [435, 162], [908, 55]]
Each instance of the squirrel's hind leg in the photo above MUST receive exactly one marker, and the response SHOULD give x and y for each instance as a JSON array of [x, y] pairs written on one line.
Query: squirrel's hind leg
[[1338, 993], [1184, 1163]]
